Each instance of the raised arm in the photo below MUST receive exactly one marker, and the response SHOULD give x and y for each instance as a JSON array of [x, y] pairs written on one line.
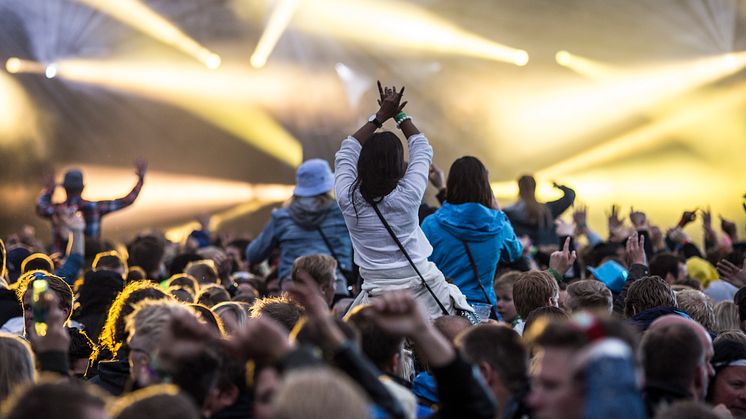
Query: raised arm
[[106, 207], [44, 207], [389, 106]]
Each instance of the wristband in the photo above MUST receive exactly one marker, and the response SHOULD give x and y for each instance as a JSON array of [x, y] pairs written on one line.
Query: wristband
[[399, 118], [401, 121]]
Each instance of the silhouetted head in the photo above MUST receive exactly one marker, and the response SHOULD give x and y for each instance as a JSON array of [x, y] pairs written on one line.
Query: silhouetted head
[[469, 181], [73, 182], [527, 187], [379, 167]]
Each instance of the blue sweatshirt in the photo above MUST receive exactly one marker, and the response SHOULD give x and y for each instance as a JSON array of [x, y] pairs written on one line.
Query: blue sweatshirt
[[490, 237]]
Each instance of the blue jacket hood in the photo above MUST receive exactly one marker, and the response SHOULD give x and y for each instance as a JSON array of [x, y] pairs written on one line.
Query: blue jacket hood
[[470, 221]]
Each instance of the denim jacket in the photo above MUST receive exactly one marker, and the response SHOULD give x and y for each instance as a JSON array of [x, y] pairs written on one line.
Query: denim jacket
[[294, 229]]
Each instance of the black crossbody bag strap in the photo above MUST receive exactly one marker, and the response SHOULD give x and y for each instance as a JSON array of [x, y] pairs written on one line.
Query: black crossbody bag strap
[[346, 274], [401, 247], [476, 276]]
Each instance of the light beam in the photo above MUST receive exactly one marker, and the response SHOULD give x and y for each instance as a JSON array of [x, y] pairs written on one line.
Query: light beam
[[139, 16], [276, 25]]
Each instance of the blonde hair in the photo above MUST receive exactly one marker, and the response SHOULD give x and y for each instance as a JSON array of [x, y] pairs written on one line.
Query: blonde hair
[[726, 317], [162, 400], [315, 393], [151, 317], [697, 305], [16, 364]]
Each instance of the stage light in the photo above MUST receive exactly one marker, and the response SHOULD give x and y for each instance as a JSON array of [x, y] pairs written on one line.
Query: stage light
[[400, 27], [51, 71], [13, 65], [139, 16], [213, 61], [278, 21], [558, 116], [231, 99]]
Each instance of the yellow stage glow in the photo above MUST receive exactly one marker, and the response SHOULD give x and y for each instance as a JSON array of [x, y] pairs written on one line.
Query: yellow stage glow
[[13, 65], [401, 25], [19, 121], [229, 99], [139, 16], [167, 199], [278, 21], [573, 110]]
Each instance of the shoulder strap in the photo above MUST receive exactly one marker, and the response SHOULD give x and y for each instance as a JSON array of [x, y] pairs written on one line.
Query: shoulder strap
[[403, 250], [476, 275], [328, 244]]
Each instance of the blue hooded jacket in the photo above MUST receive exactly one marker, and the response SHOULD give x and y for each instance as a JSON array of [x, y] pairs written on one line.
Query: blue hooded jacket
[[490, 237]]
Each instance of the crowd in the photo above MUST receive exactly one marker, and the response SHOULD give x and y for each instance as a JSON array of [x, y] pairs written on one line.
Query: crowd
[[358, 300]]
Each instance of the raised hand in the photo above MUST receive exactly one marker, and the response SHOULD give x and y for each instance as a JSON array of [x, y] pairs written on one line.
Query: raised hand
[[635, 250], [437, 177], [562, 260], [141, 166], [706, 218], [580, 216], [317, 314], [614, 221], [48, 180], [687, 217], [73, 220], [563, 228], [732, 273], [389, 102], [729, 228], [399, 314], [638, 219], [261, 338]]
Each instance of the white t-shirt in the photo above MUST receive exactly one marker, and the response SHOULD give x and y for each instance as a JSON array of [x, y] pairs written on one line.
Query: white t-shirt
[[374, 247]]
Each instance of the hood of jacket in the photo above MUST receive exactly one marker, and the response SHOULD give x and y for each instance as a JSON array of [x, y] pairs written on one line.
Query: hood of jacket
[[644, 319], [309, 212], [113, 375], [471, 221]]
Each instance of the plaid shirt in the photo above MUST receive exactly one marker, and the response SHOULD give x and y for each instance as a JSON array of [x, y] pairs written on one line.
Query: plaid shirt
[[92, 211]]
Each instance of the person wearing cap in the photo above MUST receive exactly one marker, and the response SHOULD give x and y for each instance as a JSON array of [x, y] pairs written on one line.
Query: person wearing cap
[[311, 223], [728, 387], [92, 210]]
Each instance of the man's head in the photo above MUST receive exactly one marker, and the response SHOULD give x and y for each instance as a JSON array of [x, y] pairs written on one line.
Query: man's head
[[323, 270], [534, 289], [145, 326], [555, 392], [589, 295], [673, 358], [279, 309], [204, 271], [646, 293], [110, 261], [318, 394], [503, 287], [698, 306], [56, 399], [728, 384], [73, 182], [147, 253], [740, 300], [55, 284], [380, 347], [500, 355], [17, 364], [158, 401], [451, 326], [37, 262], [669, 267], [704, 337], [211, 295]]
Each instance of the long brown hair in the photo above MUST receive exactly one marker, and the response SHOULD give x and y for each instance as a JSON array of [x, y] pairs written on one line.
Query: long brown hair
[[469, 181], [527, 193]]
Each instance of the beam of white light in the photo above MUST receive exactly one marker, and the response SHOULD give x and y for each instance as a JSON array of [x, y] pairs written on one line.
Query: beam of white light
[[166, 198], [276, 25], [584, 66], [14, 65], [230, 99], [562, 116], [139, 16], [402, 26]]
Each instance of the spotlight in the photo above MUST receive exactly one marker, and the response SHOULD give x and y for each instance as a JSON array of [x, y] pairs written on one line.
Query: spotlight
[[276, 25], [51, 71], [563, 58], [520, 58], [213, 61], [13, 65]]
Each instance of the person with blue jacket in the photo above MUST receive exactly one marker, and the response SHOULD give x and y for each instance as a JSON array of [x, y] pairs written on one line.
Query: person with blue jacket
[[310, 224], [470, 218]]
